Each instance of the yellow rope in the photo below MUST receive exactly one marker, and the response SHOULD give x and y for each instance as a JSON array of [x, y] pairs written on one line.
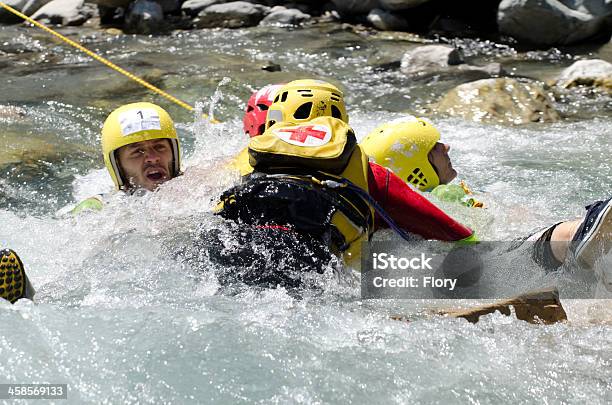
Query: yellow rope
[[103, 60]]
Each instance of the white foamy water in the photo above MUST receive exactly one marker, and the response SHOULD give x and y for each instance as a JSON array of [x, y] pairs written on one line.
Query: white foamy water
[[120, 320]]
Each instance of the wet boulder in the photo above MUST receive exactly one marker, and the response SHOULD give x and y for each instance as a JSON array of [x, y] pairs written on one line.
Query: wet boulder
[[387, 21], [235, 14], [429, 58], [592, 73], [64, 12], [144, 17], [27, 7], [353, 7], [503, 101], [193, 7], [400, 5], [554, 22], [443, 59], [285, 16]]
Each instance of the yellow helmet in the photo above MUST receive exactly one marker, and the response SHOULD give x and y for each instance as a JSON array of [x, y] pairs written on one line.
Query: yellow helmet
[[137, 122], [403, 145], [303, 100]]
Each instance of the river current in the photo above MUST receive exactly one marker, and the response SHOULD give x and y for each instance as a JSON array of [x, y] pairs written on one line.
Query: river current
[[120, 320]]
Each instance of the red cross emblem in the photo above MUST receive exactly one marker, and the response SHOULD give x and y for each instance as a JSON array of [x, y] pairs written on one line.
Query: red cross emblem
[[300, 134], [307, 135]]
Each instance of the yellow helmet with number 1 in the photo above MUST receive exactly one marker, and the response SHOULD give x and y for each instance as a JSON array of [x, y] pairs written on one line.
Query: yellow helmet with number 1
[[303, 100], [403, 145], [132, 123]]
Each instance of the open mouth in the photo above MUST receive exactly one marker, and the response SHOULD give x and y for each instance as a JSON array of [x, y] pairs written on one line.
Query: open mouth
[[155, 175]]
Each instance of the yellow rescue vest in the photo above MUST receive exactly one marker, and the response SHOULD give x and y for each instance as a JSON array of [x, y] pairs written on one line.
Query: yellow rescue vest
[[241, 163], [332, 155]]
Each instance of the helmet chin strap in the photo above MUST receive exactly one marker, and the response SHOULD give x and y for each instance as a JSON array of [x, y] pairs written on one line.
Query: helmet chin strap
[[117, 169], [176, 169], [432, 165]]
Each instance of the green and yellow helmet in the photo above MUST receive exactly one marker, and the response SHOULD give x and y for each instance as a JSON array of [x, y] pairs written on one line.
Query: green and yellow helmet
[[137, 122], [303, 100], [403, 145]]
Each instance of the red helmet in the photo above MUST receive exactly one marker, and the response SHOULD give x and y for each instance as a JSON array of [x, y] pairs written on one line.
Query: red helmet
[[254, 121]]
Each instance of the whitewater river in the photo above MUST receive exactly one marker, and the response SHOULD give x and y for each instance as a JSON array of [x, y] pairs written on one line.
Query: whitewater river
[[121, 320]]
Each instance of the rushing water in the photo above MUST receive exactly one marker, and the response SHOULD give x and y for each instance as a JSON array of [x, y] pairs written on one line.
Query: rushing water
[[120, 320]]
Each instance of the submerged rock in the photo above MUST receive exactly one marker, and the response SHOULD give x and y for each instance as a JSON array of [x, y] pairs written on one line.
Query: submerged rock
[[554, 22], [235, 14], [504, 101], [144, 17], [386, 21], [64, 12], [285, 16], [484, 71], [23, 149], [592, 72], [118, 84]]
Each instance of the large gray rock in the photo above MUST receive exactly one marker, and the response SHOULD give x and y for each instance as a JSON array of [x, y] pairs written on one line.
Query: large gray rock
[[355, 6], [386, 21], [235, 14], [554, 22], [27, 7], [285, 16], [398, 5], [193, 7], [144, 17], [592, 72], [504, 101], [429, 58], [63, 12]]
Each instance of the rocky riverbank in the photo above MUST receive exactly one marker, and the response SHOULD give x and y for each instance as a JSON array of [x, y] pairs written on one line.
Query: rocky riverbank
[[536, 23]]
